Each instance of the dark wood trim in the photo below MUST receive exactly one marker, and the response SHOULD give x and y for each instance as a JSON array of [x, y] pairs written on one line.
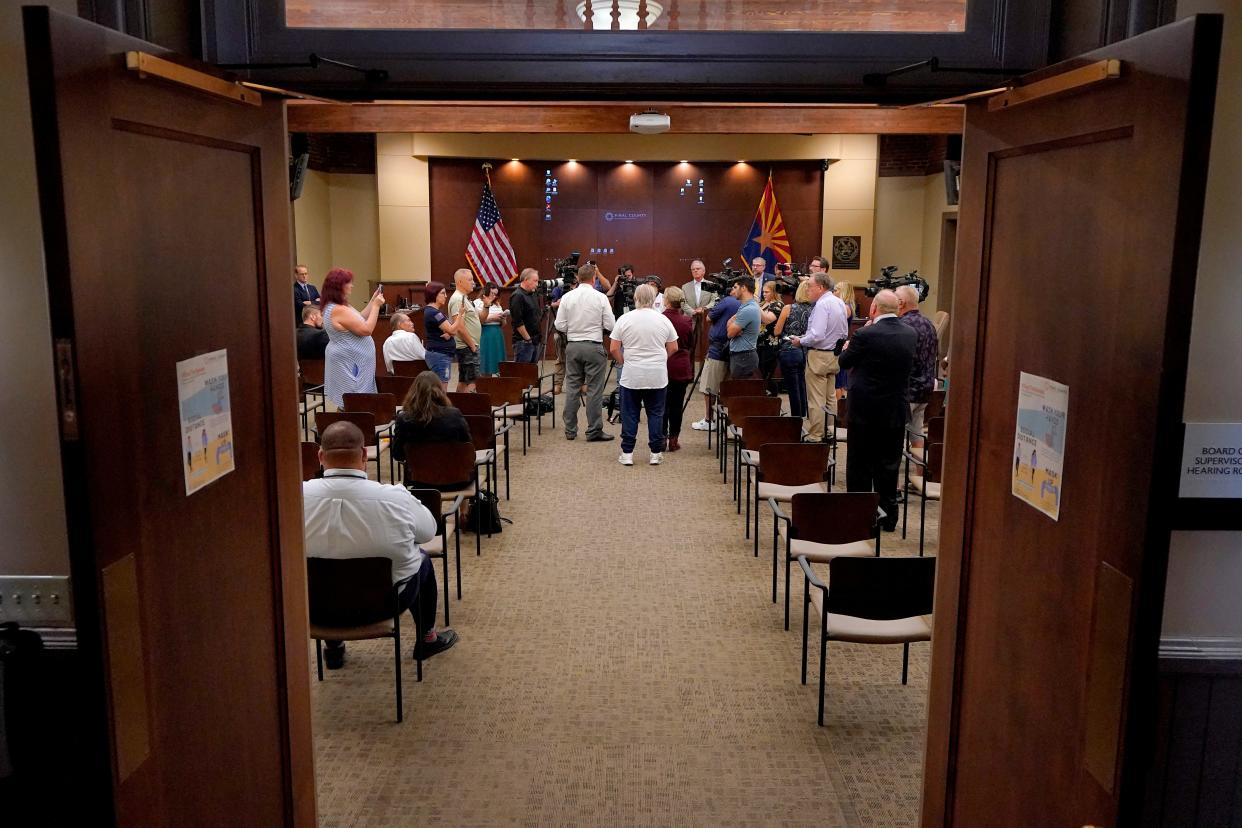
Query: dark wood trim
[[614, 118]]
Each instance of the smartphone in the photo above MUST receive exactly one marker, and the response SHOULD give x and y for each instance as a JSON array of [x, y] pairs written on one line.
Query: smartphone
[[380, 288]]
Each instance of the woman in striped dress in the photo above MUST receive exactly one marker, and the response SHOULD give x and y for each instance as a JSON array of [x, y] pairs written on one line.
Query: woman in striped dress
[[349, 361]]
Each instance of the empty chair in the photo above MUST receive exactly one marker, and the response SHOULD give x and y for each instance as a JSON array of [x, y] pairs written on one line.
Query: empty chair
[[365, 422], [927, 487], [754, 431], [728, 389], [509, 397], [480, 404], [311, 398], [398, 386], [741, 408], [310, 460], [354, 599], [408, 367], [528, 372], [823, 526], [383, 407], [437, 547], [448, 467], [787, 469], [483, 435], [871, 601]]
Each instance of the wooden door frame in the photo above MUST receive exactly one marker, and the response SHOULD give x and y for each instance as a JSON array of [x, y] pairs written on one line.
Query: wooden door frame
[[950, 258], [962, 423], [288, 563]]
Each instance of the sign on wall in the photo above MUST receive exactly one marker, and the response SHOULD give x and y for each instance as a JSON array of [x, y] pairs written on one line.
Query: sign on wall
[[206, 419], [1039, 443], [846, 252], [1212, 460]]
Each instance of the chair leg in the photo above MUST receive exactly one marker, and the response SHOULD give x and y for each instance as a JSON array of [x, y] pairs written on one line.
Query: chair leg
[[444, 547], [756, 530], [905, 501], [457, 543], [396, 664], [922, 520], [419, 635], [823, 660], [806, 612], [788, 566], [775, 538], [319, 657], [905, 661]]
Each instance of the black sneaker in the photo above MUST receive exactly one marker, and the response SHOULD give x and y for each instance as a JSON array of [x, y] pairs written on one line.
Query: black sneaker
[[334, 657], [445, 639], [602, 437]]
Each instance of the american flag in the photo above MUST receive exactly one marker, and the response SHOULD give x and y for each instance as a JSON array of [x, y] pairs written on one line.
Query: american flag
[[489, 251]]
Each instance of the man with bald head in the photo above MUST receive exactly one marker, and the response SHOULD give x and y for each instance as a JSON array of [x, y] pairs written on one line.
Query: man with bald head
[[880, 358], [926, 354], [468, 335], [349, 516]]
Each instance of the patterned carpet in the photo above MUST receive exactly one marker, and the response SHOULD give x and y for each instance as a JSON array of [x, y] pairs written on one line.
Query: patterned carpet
[[621, 663]]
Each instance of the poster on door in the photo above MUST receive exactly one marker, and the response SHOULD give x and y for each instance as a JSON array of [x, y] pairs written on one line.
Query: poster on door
[[1039, 443], [206, 419]]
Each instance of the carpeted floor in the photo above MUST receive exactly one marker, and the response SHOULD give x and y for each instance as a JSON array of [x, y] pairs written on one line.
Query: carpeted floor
[[621, 663]]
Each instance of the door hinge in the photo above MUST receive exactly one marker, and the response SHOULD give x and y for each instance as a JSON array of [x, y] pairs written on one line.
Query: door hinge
[[66, 389]]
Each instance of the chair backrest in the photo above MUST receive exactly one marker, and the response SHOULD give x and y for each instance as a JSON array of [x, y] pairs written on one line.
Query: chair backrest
[[935, 405], [742, 407], [350, 592], [439, 464], [843, 412], [482, 431], [741, 388], [312, 371], [409, 367], [468, 403], [935, 430], [431, 499], [834, 517], [365, 421], [310, 460], [794, 464], [396, 385], [881, 589], [935, 462], [383, 407], [757, 430], [528, 372], [502, 390]]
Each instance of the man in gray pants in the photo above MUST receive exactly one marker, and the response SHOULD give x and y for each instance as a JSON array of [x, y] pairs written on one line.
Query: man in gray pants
[[584, 315]]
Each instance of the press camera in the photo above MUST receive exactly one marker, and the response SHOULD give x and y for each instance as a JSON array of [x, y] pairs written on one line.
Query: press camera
[[566, 272], [722, 282], [888, 281]]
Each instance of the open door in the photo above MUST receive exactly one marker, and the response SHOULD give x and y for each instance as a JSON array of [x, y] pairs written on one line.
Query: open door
[[1079, 229], [165, 212]]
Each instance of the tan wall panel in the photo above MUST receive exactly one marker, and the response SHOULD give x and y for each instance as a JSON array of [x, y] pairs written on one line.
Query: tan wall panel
[[312, 219], [899, 222]]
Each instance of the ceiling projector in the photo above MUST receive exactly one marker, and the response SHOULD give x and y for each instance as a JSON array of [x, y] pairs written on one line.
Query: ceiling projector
[[649, 122]]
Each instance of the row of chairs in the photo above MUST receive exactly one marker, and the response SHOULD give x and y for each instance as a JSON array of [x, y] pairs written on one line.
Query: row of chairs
[[874, 600]]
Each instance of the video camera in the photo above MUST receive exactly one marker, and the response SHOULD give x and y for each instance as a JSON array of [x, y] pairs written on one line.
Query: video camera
[[722, 282], [566, 272], [888, 281], [787, 278]]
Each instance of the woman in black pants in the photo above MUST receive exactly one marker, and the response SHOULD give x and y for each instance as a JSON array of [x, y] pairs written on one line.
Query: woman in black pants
[[680, 365]]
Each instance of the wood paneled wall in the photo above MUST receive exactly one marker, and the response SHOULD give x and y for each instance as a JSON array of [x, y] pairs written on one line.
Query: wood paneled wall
[[634, 209]]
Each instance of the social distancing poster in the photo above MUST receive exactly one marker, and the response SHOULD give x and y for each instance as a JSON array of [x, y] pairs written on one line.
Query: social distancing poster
[[206, 419], [1039, 443]]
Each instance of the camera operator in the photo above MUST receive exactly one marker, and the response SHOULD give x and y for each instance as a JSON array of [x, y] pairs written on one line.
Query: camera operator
[[716, 368], [743, 330], [828, 326], [583, 317], [525, 315], [818, 264], [648, 340]]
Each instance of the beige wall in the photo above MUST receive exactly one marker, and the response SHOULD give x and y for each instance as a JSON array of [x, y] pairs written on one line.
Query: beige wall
[[909, 218], [336, 222], [405, 203], [1205, 568], [32, 508]]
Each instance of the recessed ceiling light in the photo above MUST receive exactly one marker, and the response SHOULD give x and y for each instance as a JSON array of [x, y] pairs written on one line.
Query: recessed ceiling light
[[629, 160], [743, 161], [683, 161], [515, 159], [573, 160]]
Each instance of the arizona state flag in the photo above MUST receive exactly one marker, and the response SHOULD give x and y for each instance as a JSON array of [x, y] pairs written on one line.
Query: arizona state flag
[[767, 238]]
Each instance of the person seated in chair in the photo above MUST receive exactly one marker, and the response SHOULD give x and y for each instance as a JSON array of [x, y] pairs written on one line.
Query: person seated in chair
[[349, 516], [403, 343], [312, 338]]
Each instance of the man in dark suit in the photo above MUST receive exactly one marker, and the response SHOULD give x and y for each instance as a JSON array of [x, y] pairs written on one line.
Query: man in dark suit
[[880, 358], [312, 338], [304, 293]]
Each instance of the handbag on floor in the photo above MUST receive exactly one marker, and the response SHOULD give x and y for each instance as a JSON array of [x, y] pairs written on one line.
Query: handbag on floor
[[485, 516]]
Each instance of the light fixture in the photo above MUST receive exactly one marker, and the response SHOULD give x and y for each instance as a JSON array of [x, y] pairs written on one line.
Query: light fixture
[[573, 161], [515, 159], [683, 161], [629, 160], [742, 161]]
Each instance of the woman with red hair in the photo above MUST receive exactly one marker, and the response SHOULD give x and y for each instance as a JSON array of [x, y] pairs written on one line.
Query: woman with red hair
[[349, 361]]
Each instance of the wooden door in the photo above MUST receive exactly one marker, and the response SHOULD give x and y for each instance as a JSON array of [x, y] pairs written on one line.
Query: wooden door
[[166, 222], [1080, 217]]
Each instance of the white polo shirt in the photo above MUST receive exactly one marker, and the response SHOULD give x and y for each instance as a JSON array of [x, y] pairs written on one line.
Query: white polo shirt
[[348, 516], [403, 345]]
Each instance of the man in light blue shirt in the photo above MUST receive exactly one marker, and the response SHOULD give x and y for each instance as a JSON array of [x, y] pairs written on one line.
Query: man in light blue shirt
[[743, 332]]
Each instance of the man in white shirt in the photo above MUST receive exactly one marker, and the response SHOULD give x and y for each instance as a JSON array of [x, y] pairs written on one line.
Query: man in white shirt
[[583, 316], [348, 516], [648, 340], [403, 343]]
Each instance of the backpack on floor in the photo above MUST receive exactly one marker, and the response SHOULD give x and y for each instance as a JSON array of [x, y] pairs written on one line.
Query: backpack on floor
[[543, 404]]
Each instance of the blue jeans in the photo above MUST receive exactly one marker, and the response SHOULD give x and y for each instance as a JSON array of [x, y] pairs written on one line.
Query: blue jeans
[[524, 351], [442, 364], [793, 363], [632, 401]]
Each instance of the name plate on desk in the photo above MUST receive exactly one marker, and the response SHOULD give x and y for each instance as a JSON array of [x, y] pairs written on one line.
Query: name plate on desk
[[1212, 461]]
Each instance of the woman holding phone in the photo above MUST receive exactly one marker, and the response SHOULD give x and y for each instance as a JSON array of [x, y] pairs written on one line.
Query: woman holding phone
[[349, 359], [439, 331]]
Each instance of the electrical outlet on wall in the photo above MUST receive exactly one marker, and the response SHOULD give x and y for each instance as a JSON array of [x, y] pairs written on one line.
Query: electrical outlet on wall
[[36, 600]]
